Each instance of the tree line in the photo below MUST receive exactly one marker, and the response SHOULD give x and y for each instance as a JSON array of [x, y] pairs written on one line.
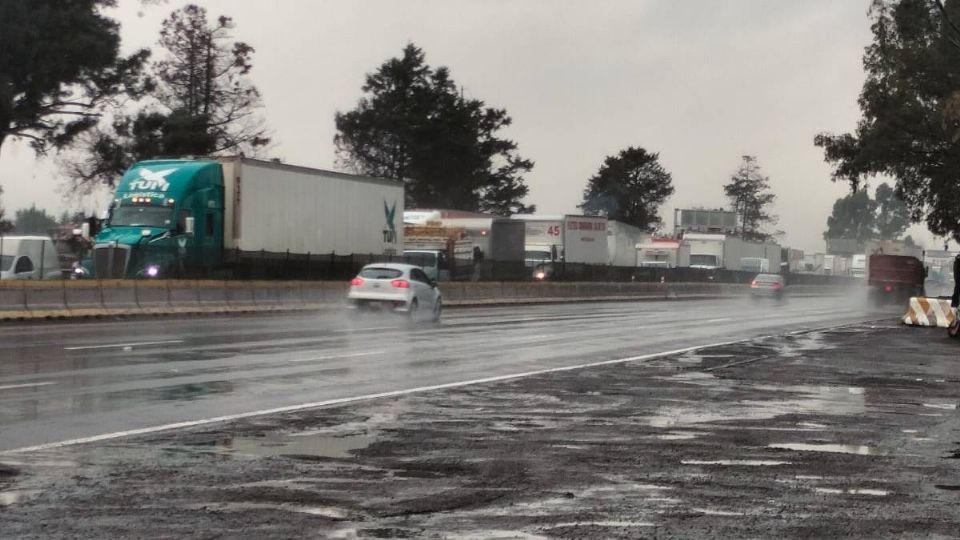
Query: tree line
[[66, 88], [909, 128]]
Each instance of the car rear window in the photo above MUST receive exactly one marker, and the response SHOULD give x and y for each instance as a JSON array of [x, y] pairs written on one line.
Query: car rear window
[[380, 273]]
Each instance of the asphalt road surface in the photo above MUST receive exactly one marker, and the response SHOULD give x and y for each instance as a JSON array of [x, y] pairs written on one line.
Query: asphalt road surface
[[849, 432], [68, 381]]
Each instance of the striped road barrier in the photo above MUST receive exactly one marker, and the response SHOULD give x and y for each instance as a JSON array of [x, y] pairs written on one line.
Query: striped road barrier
[[933, 312]]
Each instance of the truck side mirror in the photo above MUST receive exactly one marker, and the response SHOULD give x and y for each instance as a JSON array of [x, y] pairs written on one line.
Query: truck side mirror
[[188, 225]]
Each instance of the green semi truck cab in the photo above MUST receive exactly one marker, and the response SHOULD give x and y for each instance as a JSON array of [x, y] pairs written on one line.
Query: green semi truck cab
[[166, 217]]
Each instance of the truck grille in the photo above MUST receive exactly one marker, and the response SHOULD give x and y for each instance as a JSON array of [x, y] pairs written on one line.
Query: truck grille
[[110, 262]]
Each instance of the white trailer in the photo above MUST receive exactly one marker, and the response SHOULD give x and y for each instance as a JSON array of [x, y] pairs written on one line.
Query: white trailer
[[277, 207], [622, 240]]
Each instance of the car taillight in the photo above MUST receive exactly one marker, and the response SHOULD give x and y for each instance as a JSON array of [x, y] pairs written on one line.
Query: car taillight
[[754, 284], [888, 288], [356, 282], [400, 284], [777, 285]]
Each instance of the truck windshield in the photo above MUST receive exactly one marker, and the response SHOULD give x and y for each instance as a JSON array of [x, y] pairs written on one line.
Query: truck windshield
[[536, 255], [703, 260], [424, 258], [6, 262], [142, 216]]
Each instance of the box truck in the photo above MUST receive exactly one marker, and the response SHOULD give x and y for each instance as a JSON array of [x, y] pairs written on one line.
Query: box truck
[[715, 251], [171, 215], [661, 253], [570, 239], [29, 257], [622, 240]]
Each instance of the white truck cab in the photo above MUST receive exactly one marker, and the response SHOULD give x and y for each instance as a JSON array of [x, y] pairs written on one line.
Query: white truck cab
[[28, 257]]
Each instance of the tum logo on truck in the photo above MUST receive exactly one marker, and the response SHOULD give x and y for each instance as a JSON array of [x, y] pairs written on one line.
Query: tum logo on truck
[[151, 180], [389, 215]]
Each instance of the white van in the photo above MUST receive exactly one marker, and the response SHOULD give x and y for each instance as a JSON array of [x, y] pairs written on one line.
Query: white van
[[28, 257]]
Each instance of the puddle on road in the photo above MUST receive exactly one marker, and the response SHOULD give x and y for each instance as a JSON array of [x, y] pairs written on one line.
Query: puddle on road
[[299, 444], [803, 400], [8, 498], [721, 513], [737, 462], [320, 511], [680, 435], [944, 406], [860, 450], [853, 491], [487, 535], [618, 524]]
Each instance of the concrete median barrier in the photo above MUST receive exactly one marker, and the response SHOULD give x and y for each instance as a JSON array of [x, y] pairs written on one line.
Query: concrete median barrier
[[288, 294], [25, 300], [153, 297], [239, 296], [13, 303], [183, 296], [119, 297], [265, 296], [45, 298], [934, 312], [212, 294], [83, 298]]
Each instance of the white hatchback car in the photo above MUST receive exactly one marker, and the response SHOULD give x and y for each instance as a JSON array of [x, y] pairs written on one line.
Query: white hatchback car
[[402, 288]]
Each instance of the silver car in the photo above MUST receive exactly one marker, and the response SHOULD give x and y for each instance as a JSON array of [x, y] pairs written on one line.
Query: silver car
[[768, 285], [400, 288]]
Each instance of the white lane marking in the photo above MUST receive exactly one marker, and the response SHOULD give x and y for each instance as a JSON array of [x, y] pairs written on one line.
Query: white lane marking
[[26, 385], [719, 320], [395, 393], [115, 345], [335, 356], [364, 329]]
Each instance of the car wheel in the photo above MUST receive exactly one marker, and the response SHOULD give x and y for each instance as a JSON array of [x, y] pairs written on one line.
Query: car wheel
[[437, 310]]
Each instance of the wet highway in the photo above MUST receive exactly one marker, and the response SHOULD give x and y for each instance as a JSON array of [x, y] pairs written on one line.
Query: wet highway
[[63, 381]]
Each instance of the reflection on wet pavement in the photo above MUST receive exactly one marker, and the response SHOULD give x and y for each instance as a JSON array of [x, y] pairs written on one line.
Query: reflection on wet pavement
[[298, 444], [857, 449]]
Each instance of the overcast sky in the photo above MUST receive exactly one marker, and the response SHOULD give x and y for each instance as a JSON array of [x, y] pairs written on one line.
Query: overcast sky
[[701, 82]]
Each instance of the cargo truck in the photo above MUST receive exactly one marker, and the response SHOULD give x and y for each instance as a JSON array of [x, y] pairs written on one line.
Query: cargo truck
[[444, 253], [184, 217], [716, 251], [894, 278], [28, 257], [661, 253], [622, 240], [567, 239]]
